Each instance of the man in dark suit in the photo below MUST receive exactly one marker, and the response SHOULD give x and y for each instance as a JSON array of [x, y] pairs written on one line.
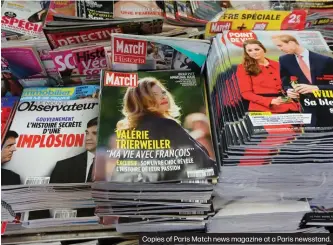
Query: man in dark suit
[[8, 177], [78, 169], [309, 68]]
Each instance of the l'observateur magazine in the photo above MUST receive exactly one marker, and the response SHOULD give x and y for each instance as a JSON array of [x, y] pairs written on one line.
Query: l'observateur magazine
[[50, 126]]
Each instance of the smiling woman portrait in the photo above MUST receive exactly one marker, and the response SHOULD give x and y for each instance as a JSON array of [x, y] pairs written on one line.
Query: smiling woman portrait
[[259, 81]]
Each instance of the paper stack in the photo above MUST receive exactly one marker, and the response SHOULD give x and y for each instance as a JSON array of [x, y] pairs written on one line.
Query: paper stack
[[48, 156], [273, 117], [155, 168]]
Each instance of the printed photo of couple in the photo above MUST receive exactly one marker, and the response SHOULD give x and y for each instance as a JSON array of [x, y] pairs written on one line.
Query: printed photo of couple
[[268, 85]]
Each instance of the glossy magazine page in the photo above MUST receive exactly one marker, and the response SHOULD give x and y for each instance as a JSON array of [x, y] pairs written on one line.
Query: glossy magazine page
[[24, 17], [153, 128], [51, 139], [298, 91], [66, 8], [250, 133]]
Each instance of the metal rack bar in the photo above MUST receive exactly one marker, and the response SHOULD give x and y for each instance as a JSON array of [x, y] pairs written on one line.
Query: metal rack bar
[[62, 234]]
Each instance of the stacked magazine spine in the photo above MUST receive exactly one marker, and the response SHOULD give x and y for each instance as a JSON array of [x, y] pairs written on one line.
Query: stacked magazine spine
[[138, 207], [62, 48]]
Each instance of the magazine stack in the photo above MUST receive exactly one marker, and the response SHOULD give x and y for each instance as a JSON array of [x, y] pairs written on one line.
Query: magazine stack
[[321, 20], [48, 154], [271, 97], [115, 118], [156, 165]]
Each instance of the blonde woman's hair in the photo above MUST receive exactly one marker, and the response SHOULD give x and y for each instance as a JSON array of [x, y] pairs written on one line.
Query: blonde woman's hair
[[140, 101]]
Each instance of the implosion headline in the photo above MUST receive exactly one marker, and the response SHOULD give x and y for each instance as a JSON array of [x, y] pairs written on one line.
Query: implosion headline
[[235, 238]]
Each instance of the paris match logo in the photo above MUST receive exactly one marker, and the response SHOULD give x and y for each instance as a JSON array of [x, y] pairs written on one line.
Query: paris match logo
[[120, 79], [129, 51], [220, 26]]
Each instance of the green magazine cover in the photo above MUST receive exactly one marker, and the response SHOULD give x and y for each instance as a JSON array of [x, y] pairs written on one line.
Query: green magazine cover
[[153, 127]]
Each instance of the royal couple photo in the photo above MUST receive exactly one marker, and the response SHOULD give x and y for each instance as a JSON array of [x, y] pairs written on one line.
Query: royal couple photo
[[281, 86]]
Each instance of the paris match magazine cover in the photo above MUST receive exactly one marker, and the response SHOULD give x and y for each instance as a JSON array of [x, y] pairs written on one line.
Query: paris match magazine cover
[[154, 127]]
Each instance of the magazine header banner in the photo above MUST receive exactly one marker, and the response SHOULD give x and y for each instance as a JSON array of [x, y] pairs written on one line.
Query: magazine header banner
[[120, 79], [256, 20], [46, 94], [129, 51], [59, 39]]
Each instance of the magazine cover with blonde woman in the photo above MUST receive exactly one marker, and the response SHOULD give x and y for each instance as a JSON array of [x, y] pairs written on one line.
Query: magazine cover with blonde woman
[[153, 127]]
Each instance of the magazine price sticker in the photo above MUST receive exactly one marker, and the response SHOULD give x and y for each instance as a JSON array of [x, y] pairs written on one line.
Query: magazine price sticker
[[256, 20], [263, 119]]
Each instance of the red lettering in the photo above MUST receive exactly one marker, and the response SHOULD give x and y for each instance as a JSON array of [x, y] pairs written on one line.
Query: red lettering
[[33, 27], [70, 140], [120, 79], [4, 19], [64, 140], [79, 140], [38, 28], [50, 141], [58, 141], [21, 24], [19, 142], [42, 142], [13, 21], [26, 140], [29, 26], [35, 140]]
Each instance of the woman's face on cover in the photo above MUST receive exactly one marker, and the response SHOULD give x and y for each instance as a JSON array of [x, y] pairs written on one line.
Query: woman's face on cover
[[161, 98], [255, 51]]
